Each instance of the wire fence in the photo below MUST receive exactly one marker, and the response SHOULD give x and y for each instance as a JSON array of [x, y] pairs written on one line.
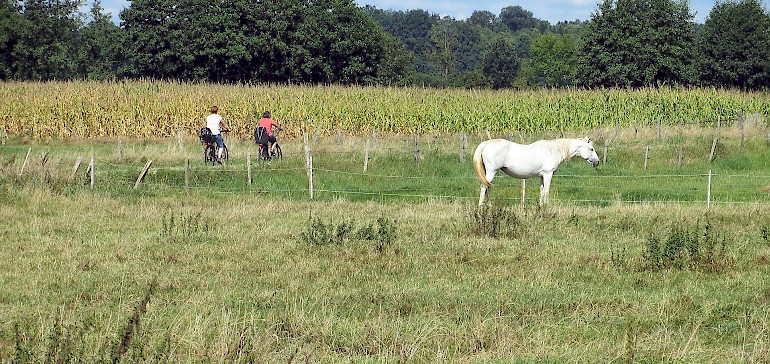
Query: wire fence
[[398, 175], [588, 188]]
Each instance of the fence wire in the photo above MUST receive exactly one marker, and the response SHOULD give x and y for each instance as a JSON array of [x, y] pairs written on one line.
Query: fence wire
[[231, 178]]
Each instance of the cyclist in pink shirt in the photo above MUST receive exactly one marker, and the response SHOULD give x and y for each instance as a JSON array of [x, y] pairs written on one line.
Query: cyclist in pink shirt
[[268, 123]]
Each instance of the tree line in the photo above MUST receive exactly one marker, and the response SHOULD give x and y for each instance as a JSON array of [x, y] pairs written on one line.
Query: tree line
[[625, 43]]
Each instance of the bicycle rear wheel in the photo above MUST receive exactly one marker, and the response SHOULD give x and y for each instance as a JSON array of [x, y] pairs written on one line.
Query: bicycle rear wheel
[[209, 154], [278, 152], [264, 155]]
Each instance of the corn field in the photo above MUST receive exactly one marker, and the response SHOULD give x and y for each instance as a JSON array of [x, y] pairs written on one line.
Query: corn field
[[146, 109]]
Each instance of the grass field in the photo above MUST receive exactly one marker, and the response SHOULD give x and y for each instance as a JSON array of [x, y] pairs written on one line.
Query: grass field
[[392, 265]]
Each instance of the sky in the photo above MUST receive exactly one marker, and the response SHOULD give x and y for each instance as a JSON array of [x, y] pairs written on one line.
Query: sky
[[553, 11]]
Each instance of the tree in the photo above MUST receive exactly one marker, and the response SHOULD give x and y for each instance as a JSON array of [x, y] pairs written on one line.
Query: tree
[[396, 66], [516, 18], [501, 64], [575, 28], [318, 41], [98, 51], [413, 30], [355, 41], [483, 18], [9, 20], [469, 45], [147, 41], [555, 60], [444, 40], [46, 47], [635, 43], [734, 43]]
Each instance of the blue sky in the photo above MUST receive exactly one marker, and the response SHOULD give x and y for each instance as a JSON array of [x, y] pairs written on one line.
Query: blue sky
[[550, 10]]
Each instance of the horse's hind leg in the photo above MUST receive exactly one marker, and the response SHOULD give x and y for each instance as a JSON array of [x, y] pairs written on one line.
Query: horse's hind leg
[[484, 195]]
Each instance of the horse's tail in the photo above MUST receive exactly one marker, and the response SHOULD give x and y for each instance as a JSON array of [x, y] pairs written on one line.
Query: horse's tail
[[478, 166]]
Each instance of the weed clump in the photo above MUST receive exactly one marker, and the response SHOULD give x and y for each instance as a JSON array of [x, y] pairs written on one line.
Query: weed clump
[[688, 248], [186, 228], [320, 233], [494, 222]]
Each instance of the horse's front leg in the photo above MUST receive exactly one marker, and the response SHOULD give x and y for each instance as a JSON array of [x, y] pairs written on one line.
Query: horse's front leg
[[545, 188]]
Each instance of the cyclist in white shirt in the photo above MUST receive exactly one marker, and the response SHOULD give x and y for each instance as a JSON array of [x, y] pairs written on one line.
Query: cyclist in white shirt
[[217, 125]]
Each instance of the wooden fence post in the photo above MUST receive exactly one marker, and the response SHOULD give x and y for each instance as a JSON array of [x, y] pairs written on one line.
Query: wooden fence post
[[416, 151], [339, 137], [75, 167], [91, 170], [366, 155], [307, 155], [4, 135], [659, 127], [463, 146], [26, 159], [144, 173], [179, 140], [310, 175], [741, 123], [374, 139], [646, 156], [248, 167], [708, 192], [606, 148], [681, 156], [187, 175], [713, 150]]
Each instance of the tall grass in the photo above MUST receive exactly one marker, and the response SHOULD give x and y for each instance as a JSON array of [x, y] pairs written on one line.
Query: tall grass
[[75, 280]]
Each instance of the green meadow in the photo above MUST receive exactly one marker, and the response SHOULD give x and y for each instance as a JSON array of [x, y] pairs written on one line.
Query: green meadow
[[392, 264]]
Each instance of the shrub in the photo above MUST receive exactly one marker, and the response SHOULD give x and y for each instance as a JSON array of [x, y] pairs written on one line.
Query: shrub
[[320, 233], [687, 248], [186, 228], [493, 221]]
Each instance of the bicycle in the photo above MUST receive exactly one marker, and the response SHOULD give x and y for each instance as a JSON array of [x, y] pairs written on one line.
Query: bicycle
[[210, 147], [274, 153]]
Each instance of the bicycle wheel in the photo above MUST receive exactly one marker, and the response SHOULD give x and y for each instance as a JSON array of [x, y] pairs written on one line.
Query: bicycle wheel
[[209, 154], [264, 155], [278, 152], [225, 154]]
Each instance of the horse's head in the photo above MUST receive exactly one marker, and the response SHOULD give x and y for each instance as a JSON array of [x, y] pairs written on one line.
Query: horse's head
[[586, 151]]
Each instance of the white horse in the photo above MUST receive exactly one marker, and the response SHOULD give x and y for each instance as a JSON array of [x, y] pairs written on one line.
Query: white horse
[[540, 158]]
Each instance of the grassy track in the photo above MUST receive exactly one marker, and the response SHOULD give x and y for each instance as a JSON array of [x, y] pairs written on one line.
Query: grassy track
[[236, 273]]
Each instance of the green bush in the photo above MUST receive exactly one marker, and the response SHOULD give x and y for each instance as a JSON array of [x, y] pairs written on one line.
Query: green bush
[[186, 228], [494, 222], [319, 233], [688, 248]]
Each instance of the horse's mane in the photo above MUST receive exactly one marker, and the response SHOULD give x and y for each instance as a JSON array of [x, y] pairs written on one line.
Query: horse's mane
[[561, 146]]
